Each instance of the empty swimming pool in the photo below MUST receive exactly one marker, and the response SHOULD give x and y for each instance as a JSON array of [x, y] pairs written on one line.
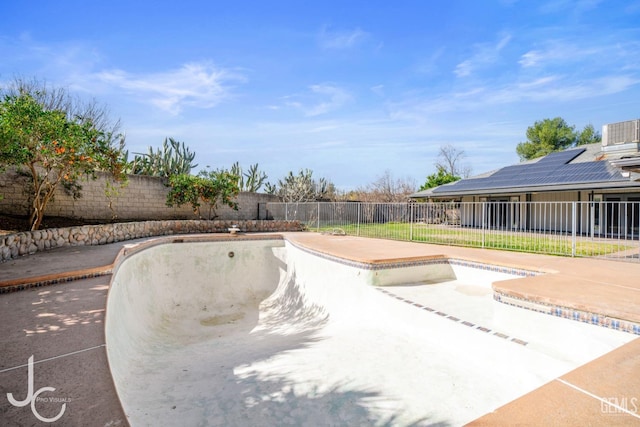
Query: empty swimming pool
[[262, 332]]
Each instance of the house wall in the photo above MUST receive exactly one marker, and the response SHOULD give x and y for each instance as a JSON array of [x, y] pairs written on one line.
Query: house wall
[[142, 198], [558, 196], [543, 211], [553, 211]]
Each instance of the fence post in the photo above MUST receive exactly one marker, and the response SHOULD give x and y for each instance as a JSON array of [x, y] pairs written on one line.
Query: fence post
[[573, 229], [318, 216], [411, 221], [592, 219], [286, 212], [484, 212], [358, 220]]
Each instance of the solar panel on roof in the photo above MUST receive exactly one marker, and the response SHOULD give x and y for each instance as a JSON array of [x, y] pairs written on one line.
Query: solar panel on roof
[[561, 157], [550, 172]]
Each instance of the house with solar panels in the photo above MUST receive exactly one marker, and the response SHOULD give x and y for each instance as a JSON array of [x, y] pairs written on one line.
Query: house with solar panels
[[523, 195]]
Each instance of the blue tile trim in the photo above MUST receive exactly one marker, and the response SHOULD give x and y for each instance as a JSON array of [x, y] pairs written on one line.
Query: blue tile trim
[[569, 313], [454, 318]]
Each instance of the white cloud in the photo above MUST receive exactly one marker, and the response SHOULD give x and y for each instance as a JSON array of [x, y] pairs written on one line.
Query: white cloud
[[550, 88], [322, 99], [60, 63], [531, 58], [199, 85], [485, 54], [337, 97], [558, 52], [464, 68], [378, 90], [341, 39], [573, 7]]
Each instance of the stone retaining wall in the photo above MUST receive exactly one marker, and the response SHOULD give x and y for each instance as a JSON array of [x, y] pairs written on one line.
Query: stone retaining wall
[[30, 242]]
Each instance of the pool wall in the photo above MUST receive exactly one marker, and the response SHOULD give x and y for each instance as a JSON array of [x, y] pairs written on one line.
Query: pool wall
[[150, 301], [430, 269]]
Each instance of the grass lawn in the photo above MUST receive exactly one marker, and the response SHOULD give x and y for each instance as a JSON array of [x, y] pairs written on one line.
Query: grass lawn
[[555, 244]]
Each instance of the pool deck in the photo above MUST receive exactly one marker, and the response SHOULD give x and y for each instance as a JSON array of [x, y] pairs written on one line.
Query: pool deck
[[62, 325]]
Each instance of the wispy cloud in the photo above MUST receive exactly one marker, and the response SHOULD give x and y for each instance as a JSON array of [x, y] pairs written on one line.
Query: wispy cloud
[[321, 99], [335, 39], [60, 62], [563, 88], [600, 66], [431, 63], [485, 54], [551, 88], [574, 7], [378, 90], [556, 52], [199, 85]]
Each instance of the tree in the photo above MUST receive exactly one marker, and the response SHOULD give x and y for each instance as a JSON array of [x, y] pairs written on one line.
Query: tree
[[208, 187], [588, 136], [250, 181], [57, 139], [439, 178], [386, 189], [549, 135], [449, 159], [299, 188]]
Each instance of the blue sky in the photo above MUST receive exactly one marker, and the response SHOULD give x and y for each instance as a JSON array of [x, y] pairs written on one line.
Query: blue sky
[[348, 89]]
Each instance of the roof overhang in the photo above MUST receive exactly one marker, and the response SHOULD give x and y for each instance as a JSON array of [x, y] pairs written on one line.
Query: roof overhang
[[609, 185], [630, 164]]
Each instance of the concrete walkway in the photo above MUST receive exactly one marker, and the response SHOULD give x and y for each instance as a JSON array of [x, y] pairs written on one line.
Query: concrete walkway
[[62, 326]]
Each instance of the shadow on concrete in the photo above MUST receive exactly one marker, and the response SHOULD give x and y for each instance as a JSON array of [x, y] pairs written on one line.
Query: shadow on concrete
[[221, 380], [62, 327]]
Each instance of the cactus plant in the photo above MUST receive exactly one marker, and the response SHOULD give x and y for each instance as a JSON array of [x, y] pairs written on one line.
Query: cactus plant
[[173, 158]]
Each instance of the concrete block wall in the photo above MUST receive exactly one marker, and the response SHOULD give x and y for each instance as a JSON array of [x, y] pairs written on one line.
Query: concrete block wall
[[142, 198], [14, 200]]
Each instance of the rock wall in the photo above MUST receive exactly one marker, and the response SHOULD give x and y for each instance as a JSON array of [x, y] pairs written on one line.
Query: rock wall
[[29, 242]]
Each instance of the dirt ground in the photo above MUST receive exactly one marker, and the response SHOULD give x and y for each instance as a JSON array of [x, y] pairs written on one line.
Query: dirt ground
[[14, 224]]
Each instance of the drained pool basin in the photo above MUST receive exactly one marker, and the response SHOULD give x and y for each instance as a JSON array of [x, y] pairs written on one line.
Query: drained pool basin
[[261, 332]]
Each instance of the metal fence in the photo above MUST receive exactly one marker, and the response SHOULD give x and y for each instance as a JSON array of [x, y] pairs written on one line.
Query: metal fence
[[585, 229]]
